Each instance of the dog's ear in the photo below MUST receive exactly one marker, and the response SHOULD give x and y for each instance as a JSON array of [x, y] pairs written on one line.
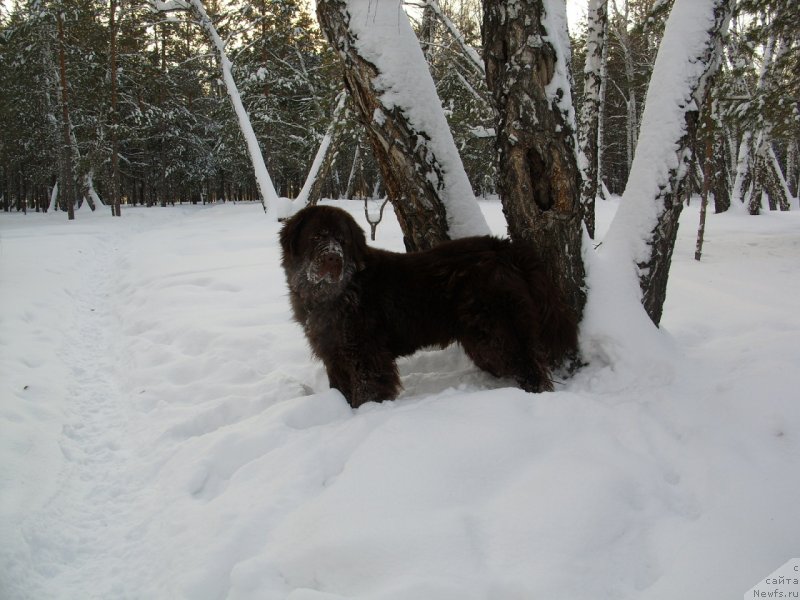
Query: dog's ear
[[290, 233]]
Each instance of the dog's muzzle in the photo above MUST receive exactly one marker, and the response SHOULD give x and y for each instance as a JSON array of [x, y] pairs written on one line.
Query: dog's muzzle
[[328, 263]]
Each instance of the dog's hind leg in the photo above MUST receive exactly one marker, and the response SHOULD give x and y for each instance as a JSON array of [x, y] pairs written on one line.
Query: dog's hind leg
[[502, 357], [505, 344]]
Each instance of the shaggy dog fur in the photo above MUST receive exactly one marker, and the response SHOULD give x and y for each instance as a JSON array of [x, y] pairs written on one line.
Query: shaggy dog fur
[[362, 307]]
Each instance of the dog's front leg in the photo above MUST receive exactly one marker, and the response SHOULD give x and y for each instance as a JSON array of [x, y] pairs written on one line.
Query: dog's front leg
[[365, 377]]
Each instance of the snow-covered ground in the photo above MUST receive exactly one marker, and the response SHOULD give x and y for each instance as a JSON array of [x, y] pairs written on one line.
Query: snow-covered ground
[[164, 433]]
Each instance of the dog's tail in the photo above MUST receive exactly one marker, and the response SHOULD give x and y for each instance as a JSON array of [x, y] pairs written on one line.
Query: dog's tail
[[558, 323]]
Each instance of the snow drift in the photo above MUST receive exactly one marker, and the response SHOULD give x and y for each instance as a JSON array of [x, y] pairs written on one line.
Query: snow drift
[[165, 433]]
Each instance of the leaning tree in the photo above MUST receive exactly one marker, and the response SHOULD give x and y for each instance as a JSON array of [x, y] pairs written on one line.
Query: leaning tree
[[646, 225], [394, 95]]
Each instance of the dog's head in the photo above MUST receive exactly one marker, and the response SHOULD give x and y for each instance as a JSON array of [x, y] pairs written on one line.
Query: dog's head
[[322, 248]]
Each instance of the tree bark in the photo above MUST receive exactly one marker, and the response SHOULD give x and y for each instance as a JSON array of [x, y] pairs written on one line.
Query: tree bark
[[654, 269], [116, 209], [67, 170], [708, 170], [323, 160], [777, 186], [591, 113], [415, 177], [539, 181], [720, 181]]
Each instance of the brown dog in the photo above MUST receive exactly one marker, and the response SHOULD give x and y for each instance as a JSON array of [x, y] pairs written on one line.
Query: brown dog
[[362, 307]]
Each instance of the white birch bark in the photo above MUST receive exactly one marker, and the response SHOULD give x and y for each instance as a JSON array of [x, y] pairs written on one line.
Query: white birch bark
[[643, 230], [744, 161], [591, 115], [396, 97], [322, 151], [54, 198], [742, 168]]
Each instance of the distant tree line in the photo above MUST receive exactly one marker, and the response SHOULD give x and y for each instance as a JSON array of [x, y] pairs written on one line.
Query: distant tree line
[[95, 92]]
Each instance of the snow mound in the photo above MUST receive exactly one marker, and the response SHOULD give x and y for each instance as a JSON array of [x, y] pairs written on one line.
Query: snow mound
[[165, 433]]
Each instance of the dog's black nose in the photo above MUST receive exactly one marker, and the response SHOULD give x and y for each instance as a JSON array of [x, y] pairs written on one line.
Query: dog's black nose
[[329, 267]]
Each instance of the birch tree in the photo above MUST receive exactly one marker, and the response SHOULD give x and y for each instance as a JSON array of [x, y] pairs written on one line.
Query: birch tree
[[322, 159], [592, 109], [526, 50], [646, 224], [395, 97]]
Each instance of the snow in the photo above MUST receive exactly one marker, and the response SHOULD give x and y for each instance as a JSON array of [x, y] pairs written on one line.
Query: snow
[[383, 37], [165, 433]]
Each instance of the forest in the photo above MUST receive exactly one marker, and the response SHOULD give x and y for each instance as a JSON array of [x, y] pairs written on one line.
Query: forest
[[117, 99]]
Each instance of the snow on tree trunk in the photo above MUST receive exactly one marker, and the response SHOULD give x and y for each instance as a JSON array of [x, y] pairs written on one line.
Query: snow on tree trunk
[[741, 177], [273, 205], [767, 176], [394, 94], [526, 50], [324, 147], [646, 224], [591, 110], [775, 182], [747, 158], [53, 199]]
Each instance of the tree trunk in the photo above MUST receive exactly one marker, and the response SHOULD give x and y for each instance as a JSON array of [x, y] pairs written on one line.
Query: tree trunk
[[777, 187], [791, 168], [654, 272], [743, 171], [708, 171], [527, 71], [591, 109], [116, 209], [67, 171], [427, 32], [323, 160], [720, 181], [355, 171], [647, 219], [410, 138]]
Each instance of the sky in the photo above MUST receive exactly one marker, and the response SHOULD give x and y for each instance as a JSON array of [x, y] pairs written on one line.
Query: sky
[[576, 11]]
